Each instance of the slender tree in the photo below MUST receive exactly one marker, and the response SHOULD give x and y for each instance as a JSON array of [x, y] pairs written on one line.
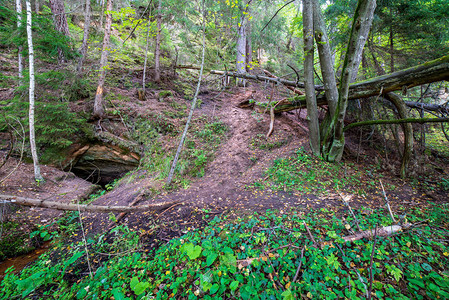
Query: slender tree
[[37, 171], [83, 50], [98, 103], [19, 24], [333, 141], [157, 51], [241, 45], [312, 111]]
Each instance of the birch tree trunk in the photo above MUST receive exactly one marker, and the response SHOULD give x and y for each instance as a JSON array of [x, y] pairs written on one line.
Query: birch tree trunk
[[98, 103], [241, 50], [157, 52], [83, 49], [36, 6], [312, 111], [19, 24], [37, 171], [60, 19]]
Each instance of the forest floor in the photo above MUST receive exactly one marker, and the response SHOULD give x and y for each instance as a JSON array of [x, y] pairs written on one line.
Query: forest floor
[[234, 182]]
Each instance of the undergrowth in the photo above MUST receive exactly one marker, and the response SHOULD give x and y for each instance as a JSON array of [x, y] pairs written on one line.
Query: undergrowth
[[260, 256], [306, 173]]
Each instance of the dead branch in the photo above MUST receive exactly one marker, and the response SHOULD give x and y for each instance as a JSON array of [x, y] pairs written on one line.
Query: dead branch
[[85, 207], [383, 232], [296, 91], [387, 202]]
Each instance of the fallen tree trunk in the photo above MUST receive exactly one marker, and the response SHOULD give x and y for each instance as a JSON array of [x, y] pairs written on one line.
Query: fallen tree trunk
[[433, 71], [265, 78], [85, 207], [191, 67]]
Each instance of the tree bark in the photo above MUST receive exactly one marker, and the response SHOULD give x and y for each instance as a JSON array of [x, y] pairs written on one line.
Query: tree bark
[[98, 104], [37, 170], [83, 50], [312, 111], [60, 19], [157, 52], [19, 24], [86, 207]]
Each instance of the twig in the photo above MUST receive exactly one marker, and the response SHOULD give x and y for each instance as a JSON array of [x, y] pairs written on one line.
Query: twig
[[21, 150], [310, 234], [84, 239], [371, 265], [174, 205], [300, 263], [387, 202], [350, 210]]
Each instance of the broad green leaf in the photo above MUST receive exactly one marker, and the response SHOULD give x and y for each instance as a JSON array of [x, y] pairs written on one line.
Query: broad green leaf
[[211, 258], [234, 285], [214, 288]]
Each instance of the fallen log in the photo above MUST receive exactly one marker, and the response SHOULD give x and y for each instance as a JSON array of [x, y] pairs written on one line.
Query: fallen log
[[433, 71], [85, 207], [191, 67], [265, 78]]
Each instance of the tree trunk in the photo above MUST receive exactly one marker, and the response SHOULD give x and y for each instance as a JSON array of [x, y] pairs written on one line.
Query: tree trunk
[[85, 207], [60, 19], [249, 49], [37, 171], [192, 108], [36, 6], [333, 145], [407, 128], [98, 104], [312, 111], [157, 52], [19, 24], [83, 50], [326, 61], [241, 50], [363, 36], [391, 50], [147, 42]]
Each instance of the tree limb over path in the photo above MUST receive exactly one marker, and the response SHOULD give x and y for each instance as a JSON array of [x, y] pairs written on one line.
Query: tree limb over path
[[433, 71], [86, 207]]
